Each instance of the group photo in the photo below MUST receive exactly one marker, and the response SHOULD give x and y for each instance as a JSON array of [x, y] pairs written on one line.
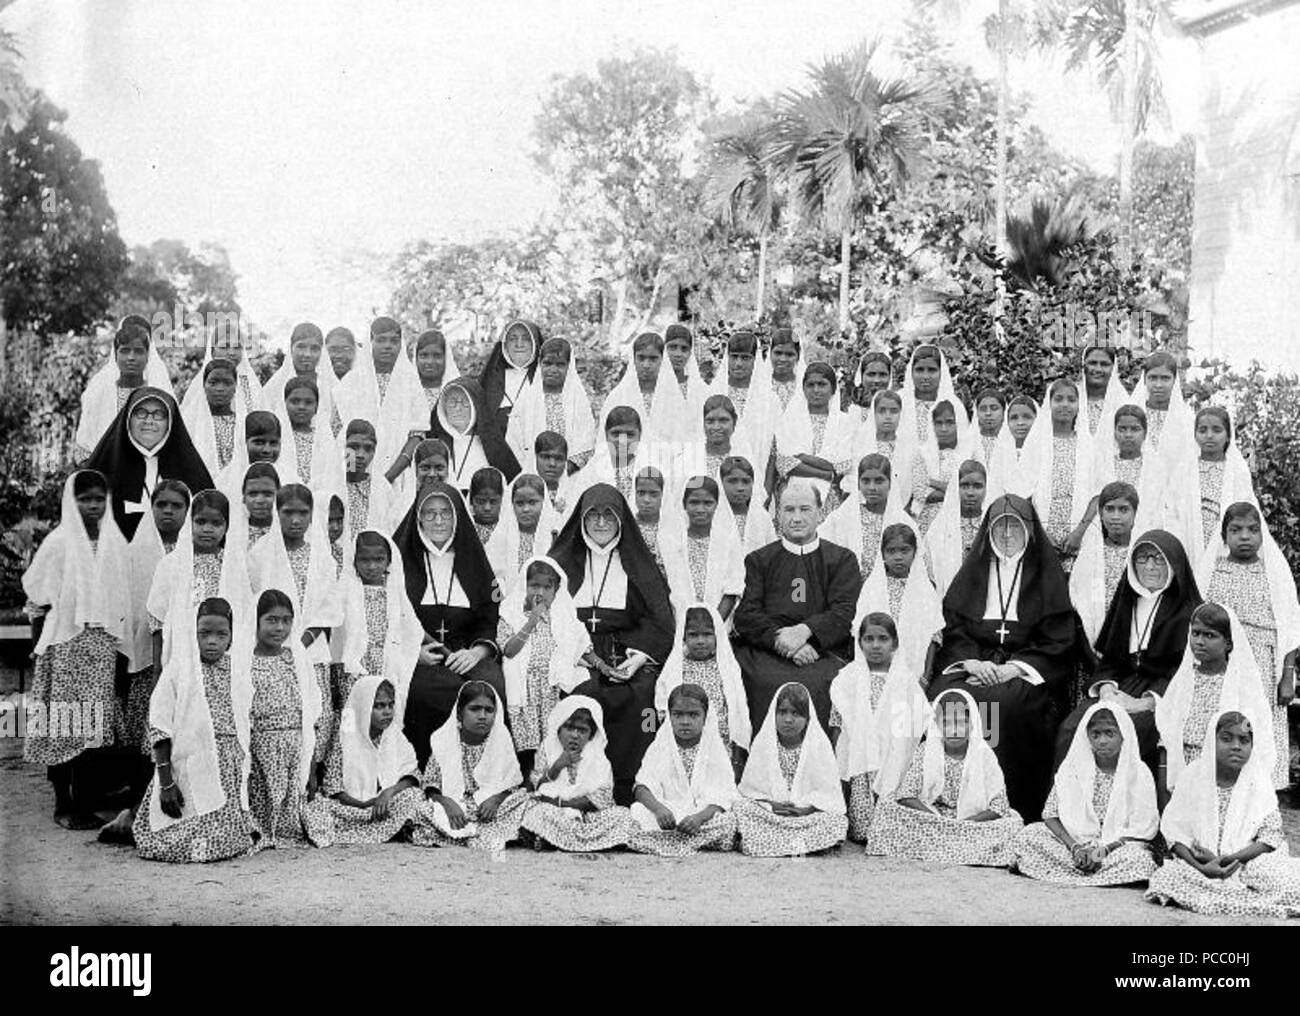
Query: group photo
[[858, 489]]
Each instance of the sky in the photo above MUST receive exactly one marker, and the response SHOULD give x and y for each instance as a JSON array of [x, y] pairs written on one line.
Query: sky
[[302, 135]]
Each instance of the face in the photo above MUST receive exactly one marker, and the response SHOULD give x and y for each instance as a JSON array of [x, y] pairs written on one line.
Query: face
[[700, 506], [169, 512], [718, 428], [740, 368], [477, 716], [678, 351], [259, 499], [817, 389], [1117, 519], [457, 408], [925, 378], [989, 412], [784, 357], [1233, 746], [208, 529], [1104, 738], [295, 518], [954, 723], [91, 505], [273, 627], [431, 362], [1129, 435], [214, 637], [623, 439], [799, 515], [131, 357], [518, 347], [1212, 436], [887, 412], [877, 646], [149, 423], [1151, 566], [1160, 386], [646, 363], [550, 466], [384, 348], [790, 725], [873, 485], [437, 519], [687, 717], [433, 467], [1096, 369], [381, 711], [701, 640], [334, 523], [486, 507], [342, 352], [649, 499], [219, 389], [1009, 535], [601, 526], [542, 588], [898, 556], [300, 406], [553, 368], [1065, 405], [574, 735], [1019, 419], [372, 564], [359, 452], [875, 376], [945, 429], [1244, 538], [738, 487], [970, 494], [527, 504], [263, 448], [306, 354]]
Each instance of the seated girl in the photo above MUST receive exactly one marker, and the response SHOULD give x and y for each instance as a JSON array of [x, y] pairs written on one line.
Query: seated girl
[[791, 800], [572, 807], [686, 784], [474, 791], [380, 634], [1100, 818], [1230, 856], [371, 787], [196, 807], [951, 807]]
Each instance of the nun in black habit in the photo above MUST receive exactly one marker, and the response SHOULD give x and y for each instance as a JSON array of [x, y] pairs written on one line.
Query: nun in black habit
[[472, 433], [146, 442], [510, 368], [451, 586], [622, 599], [1011, 639]]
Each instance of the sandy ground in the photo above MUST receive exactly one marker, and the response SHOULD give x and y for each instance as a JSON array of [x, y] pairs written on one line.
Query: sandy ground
[[48, 875]]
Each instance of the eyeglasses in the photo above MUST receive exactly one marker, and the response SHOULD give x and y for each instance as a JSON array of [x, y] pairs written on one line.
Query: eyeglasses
[[149, 414], [1148, 557], [437, 515]]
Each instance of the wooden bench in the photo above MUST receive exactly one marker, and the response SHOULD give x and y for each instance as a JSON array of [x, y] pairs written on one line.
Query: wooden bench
[[16, 649]]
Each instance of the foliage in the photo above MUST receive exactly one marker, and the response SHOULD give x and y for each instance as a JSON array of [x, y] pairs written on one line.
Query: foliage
[[167, 274]]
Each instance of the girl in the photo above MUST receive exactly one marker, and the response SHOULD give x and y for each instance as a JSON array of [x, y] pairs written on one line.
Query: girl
[[753, 524], [878, 715], [702, 656], [1057, 471], [886, 412], [815, 439], [526, 529], [486, 492], [335, 527], [1247, 573], [432, 357], [135, 364], [756, 405], [1218, 673], [1022, 411], [954, 529], [616, 463], [212, 414], [306, 343], [1100, 818], [1103, 390], [785, 361], [370, 500], [282, 738], [573, 807], [951, 807], [260, 440], [259, 486], [543, 648], [380, 633], [79, 624], [875, 373], [431, 460], [858, 523], [311, 453], [679, 351], [463, 422], [930, 383], [558, 404], [196, 807], [791, 802], [933, 465], [1103, 556], [991, 432], [647, 386], [649, 498], [370, 793], [1230, 856], [703, 559], [1160, 393], [899, 586], [474, 792], [510, 369], [1194, 510], [686, 786], [1125, 462], [551, 461], [720, 432], [341, 348]]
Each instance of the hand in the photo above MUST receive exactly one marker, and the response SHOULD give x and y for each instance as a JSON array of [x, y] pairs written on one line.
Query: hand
[[567, 758], [172, 800], [634, 662], [1218, 868], [1107, 692], [980, 672], [487, 811], [380, 805], [1007, 672], [805, 655], [455, 816], [432, 653], [784, 808], [666, 819], [463, 661], [1071, 544], [691, 824], [788, 642], [540, 612], [543, 799], [1201, 855]]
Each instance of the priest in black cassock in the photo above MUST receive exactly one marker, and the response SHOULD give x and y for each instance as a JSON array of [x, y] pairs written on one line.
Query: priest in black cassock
[[1009, 639], [795, 619]]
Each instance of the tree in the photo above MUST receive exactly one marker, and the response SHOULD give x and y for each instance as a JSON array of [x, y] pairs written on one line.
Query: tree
[[847, 141], [167, 274], [63, 259], [15, 94]]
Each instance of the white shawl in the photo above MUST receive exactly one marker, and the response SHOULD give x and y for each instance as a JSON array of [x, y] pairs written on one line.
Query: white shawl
[[528, 417], [401, 648], [667, 420], [724, 571], [502, 547], [1131, 812], [712, 780], [497, 770], [733, 688], [572, 640], [920, 614], [594, 771], [981, 776], [878, 740], [817, 779], [369, 768], [99, 400]]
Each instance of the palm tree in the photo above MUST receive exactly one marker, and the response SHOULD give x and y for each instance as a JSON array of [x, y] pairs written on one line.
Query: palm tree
[[1037, 240], [847, 139], [744, 190]]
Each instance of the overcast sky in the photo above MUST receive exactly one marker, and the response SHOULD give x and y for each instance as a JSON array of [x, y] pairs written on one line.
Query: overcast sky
[[295, 131]]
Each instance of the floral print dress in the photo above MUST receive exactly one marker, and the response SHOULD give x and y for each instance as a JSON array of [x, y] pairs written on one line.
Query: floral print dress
[[763, 833]]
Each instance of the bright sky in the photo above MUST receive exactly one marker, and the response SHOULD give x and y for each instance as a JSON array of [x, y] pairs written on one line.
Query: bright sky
[[298, 133]]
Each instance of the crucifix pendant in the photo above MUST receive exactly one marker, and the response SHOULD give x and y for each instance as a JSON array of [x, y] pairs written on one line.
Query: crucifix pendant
[[442, 631], [592, 622], [1003, 632]]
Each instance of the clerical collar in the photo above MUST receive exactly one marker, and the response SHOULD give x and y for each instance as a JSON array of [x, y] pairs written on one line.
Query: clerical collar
[[807, 548]]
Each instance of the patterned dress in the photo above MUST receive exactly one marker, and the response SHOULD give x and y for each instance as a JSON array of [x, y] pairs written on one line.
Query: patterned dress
[[376, 601], [528, 718], [485, 531], [921, 486], [1129, 471], [328, 821], [609, 826], [738, 397], [862, 800], [897, 588], [943, 838], [1206, 691], [275, 784], [784, 392], [135, 724], [223, 431], [74, 698], [970, 528], [1095, 407], [255, 533], [923, 412], [650, 530], [359, 504], [1211, 475], [871, 524], [1040, 855], [1243, 586], [226, 832], [718, 833], [303, 440], [705, 673], [300, 566], [763, 833], [1155, 425], [491, 836], [1268, 886], [381, 382], [431, 396], [1115, 558], [554, 412], [206, 583], [697, 557], [1058, 523]]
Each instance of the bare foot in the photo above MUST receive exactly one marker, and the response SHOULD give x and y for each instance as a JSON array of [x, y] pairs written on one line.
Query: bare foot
[[119, 830], [76, 821]]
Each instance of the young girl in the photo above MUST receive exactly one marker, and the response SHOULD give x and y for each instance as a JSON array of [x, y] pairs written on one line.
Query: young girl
[[380, 633], [1021, 414], [1103, 390], [311, 453], [486, 492], [1058, 471], [648, 386], [1100, 818], [542, 649], [686, 786], [335, 527], [785, 359], [135, 364], [990, 434], [1230, 856], [558, 404], [259, 486], [756, 405], [704, 560], [753, 524], [930, 382], [816, 438], [370, 793], [1125, 462], [551, 462], [258, 441], [572, 807], [196, 807], [433, 356], [1103, 556], [878, 714], [282, 737], [1246, 572], [720, 422], [791, 802], [886, 412], [1160, 393], [649, 494], [951, 807], [679, 351], [371, 502], [306, 344], [212, 413], [858, 523], [527, 528], [933, 465], [702, 656], [954, 529], [616, 463], [875, 373], [899, 586], [79, 622], [1193, 510]]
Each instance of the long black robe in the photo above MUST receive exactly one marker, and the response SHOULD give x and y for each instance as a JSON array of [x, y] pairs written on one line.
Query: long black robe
[[818, 588]]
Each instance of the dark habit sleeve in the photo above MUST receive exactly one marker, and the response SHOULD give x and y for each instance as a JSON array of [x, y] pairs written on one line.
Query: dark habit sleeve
[[752, 622], [832, 626], [1050, 648]]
